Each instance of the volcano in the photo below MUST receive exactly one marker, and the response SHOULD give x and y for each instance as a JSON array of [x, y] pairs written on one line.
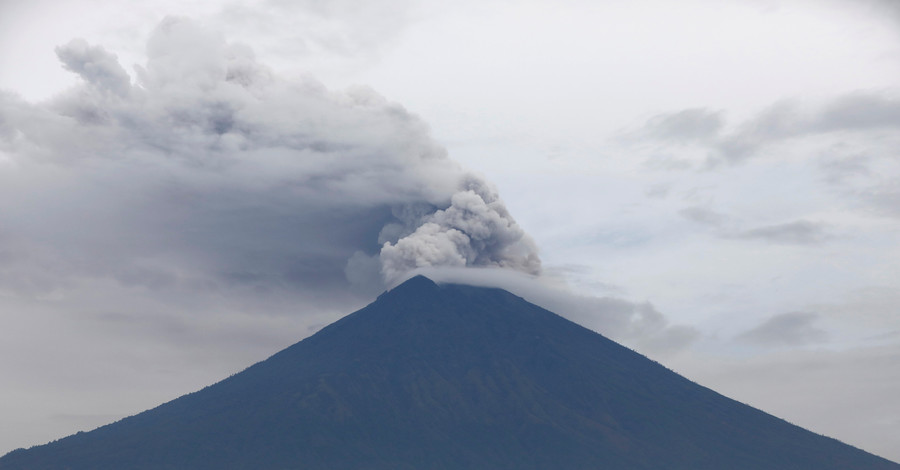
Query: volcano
[[450, 377]]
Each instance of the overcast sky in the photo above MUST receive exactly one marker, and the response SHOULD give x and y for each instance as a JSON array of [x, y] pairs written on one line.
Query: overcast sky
[[187, 187]]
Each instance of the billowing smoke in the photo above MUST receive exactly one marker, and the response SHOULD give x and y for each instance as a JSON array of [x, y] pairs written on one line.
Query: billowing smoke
[[212, 172], [475, 230]]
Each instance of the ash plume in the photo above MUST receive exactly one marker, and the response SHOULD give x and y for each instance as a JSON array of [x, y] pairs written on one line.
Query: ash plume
[[209, 169]]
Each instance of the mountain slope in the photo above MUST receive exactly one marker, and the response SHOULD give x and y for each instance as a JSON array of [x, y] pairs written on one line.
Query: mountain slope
[[450, 377]]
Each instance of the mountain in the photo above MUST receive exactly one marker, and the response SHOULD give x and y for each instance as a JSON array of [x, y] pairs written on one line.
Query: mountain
[[450, 377]]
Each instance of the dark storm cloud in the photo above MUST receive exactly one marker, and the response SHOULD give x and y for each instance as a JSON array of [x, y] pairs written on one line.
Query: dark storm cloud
[[786, 329], [209, 170]]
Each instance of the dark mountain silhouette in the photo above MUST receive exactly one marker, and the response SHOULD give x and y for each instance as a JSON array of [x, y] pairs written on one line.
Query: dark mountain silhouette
[[450, 377]]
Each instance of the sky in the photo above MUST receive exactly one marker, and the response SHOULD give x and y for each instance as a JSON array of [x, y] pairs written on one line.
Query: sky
[[188, 187]]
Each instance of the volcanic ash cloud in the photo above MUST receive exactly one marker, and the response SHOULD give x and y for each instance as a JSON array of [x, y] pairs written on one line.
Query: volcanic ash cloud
[[210, 168]]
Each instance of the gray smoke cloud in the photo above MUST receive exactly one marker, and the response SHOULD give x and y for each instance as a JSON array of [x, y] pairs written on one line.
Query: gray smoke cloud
[[475, 230], [209, 171]]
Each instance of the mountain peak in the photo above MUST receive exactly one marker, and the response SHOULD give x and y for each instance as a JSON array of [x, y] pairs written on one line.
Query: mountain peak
[[417, 282], [445, 377]]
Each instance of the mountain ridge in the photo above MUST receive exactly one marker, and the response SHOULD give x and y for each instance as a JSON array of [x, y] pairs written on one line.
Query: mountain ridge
[[450, 376]]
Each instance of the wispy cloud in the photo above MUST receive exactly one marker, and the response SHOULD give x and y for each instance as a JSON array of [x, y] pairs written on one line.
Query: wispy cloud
[[780, 122], [703, 215], [694, 125], [786, 329], [799, 232]]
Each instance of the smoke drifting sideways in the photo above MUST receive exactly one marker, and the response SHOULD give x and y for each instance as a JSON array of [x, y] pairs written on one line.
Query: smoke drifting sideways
[[212, 172]]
